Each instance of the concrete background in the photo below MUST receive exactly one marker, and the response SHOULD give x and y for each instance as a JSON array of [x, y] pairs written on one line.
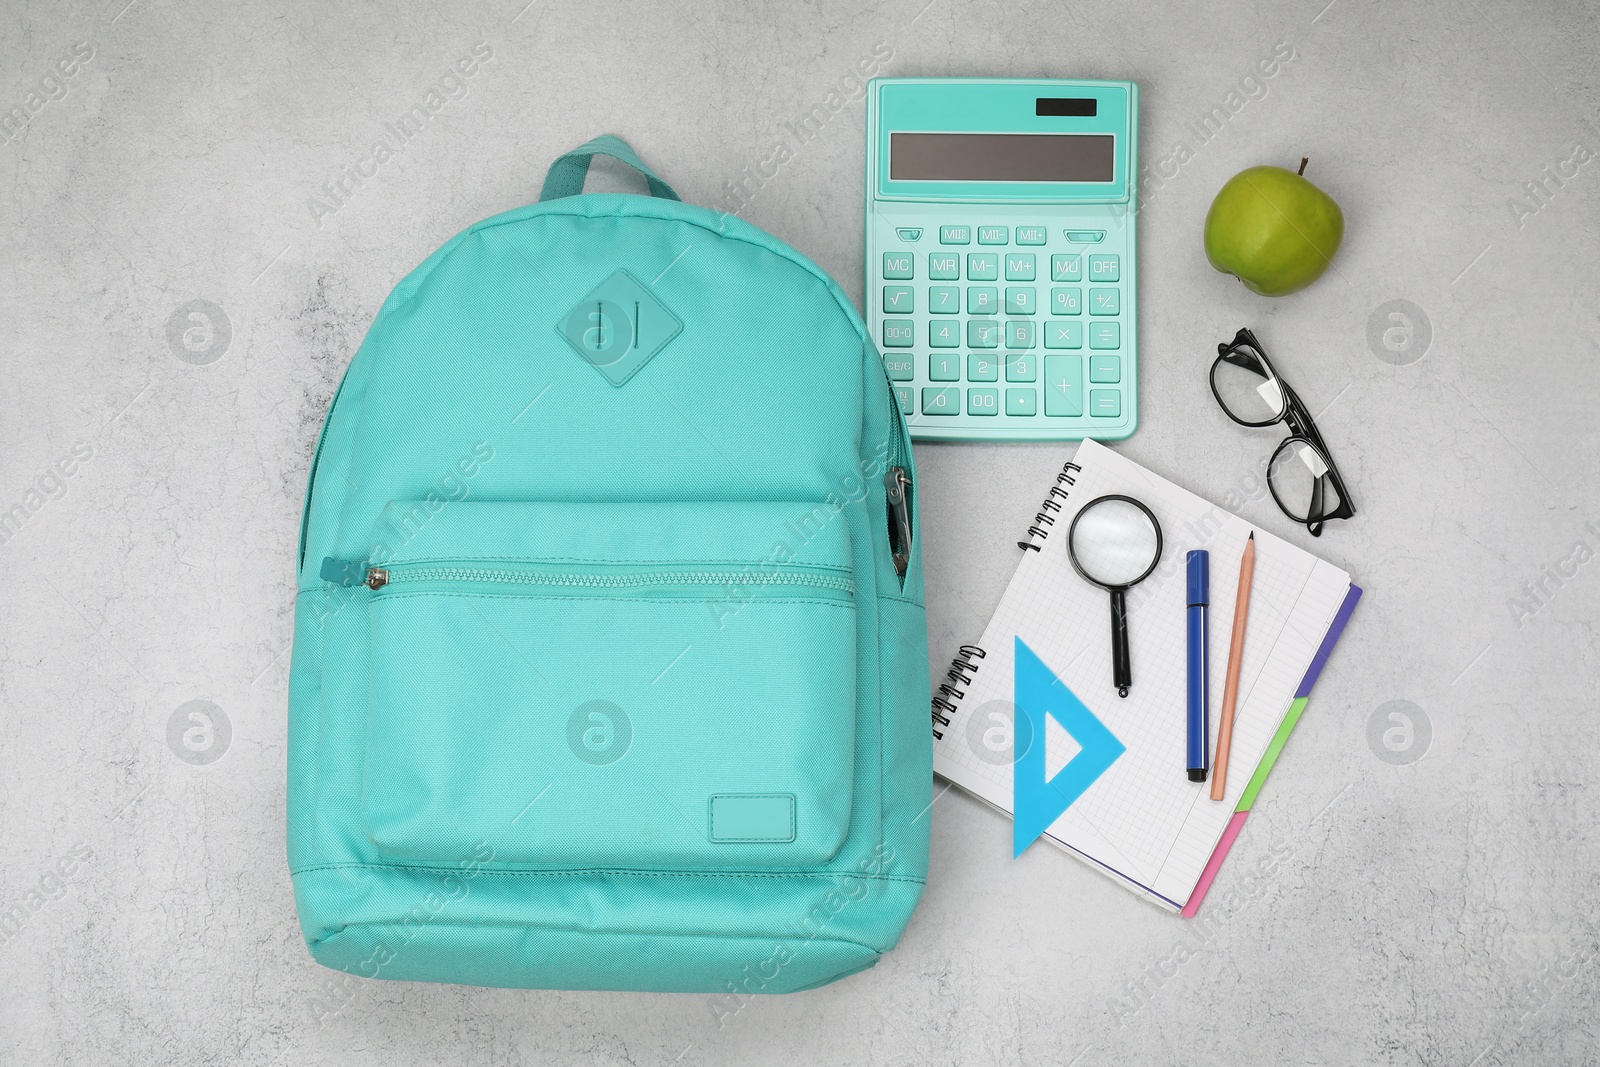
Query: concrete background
[[1422, 901]]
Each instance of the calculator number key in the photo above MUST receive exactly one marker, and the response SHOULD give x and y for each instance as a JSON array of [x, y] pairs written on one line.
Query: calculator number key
[[944, 299], [983, 401], [944, 367], [983, 300], [946, 401], [1020, 333], [1020, 300], [1022, 367]]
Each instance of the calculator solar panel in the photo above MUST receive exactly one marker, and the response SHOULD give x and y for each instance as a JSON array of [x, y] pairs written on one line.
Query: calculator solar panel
[[1000, 255]]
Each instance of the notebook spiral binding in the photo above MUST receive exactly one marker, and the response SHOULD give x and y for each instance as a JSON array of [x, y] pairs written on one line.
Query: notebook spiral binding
[[960, 673], [1048, 510]]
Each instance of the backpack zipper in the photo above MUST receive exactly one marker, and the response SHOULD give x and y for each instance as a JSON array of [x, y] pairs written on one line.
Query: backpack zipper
[[897, 486], [379, 577], [897, 489], [899, 452]]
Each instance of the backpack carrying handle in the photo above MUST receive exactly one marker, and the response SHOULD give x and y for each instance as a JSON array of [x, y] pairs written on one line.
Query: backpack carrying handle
[[568, 172]]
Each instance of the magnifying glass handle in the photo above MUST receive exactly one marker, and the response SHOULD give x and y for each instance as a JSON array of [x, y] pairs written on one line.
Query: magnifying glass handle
[[1121, 666]]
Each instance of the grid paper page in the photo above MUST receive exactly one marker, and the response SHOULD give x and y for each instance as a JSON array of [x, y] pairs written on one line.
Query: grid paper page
[[1143, 818]]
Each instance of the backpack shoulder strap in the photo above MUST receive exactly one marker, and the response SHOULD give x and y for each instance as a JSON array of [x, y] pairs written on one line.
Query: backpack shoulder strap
[[568, 172]]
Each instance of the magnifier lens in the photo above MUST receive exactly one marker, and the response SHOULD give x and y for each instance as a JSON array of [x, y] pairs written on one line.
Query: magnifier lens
[[1114, 542]]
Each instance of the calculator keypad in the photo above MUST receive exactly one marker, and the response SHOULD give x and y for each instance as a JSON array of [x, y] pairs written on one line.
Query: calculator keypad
[[1008, 322]]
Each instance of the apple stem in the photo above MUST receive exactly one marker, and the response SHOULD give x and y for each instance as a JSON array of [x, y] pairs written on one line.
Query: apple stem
[[1303, 161]]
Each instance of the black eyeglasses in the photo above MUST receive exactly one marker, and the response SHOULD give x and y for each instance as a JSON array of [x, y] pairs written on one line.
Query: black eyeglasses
[[1303, 478]]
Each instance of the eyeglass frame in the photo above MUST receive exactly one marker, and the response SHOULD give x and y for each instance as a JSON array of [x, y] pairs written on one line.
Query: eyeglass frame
[[1302, 428]]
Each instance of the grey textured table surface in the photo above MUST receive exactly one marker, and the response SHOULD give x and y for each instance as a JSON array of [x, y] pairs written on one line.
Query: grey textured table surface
[[1427, 899]]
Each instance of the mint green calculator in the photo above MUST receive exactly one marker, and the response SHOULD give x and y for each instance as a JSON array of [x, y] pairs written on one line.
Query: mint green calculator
[[1000, 255]]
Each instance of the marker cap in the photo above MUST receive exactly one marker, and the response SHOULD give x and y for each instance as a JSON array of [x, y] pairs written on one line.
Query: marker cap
[[1199, 577]]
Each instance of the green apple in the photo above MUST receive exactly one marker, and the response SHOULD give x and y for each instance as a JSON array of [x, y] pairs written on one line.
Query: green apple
[[1273, 230]]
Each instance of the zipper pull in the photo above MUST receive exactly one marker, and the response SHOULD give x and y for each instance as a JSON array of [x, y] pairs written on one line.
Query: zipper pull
[[898, 487], [377, 578]]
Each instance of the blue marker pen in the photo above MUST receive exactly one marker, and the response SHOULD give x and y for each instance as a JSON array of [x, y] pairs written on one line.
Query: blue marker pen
[[1199, 673]]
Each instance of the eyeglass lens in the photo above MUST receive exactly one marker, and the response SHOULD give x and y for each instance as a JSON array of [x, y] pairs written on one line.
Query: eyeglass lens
[[1247, 389], [1295, 476]]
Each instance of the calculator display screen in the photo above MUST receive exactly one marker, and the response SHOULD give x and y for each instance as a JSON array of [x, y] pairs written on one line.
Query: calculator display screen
[[1002, 157]]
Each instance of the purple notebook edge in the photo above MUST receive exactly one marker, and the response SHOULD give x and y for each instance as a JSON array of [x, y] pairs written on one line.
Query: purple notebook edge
[[1329, 639]]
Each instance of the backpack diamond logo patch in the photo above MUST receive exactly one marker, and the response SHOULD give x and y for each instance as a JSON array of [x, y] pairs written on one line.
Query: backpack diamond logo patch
[[619, 326]]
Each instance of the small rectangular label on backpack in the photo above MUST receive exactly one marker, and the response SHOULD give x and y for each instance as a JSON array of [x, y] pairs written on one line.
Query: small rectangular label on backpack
[[749, 817], [345, 572]]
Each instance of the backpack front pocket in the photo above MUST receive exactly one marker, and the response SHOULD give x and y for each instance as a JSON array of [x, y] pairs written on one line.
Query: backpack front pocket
[[612, 685]]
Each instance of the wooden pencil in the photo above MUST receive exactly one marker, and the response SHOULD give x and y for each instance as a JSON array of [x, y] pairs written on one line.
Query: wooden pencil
[[1230, 689]]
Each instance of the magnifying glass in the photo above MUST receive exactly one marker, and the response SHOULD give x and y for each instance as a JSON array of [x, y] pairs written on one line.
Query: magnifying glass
[[1114, 543]]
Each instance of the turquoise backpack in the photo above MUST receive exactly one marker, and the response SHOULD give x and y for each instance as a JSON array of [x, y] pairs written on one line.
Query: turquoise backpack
[[610, 660]]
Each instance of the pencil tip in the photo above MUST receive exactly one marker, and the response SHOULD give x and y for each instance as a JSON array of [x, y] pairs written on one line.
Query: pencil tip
[[1252, 536]]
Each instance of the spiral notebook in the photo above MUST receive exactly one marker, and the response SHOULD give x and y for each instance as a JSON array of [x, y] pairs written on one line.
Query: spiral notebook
[[1141, 822]]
